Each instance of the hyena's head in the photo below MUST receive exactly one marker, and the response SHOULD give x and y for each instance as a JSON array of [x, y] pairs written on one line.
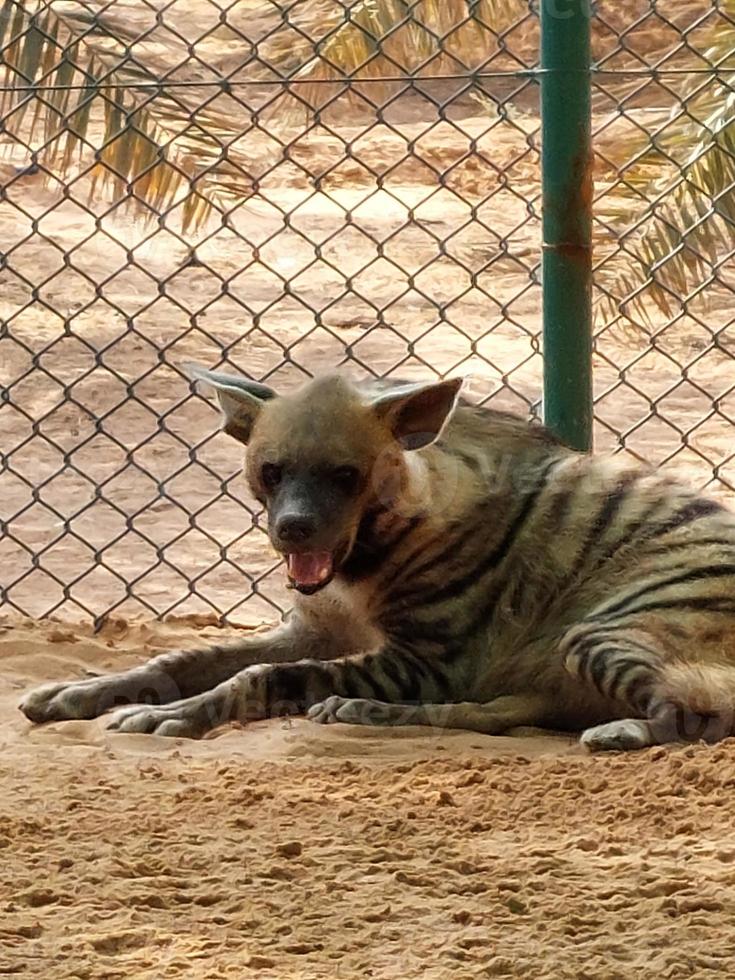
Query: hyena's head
[[322, 458]]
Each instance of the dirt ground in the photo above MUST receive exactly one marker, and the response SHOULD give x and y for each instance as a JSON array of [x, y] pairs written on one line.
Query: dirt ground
[[290, 851]]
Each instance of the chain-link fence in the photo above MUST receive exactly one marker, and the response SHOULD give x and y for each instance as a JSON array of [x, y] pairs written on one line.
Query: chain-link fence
[[282, 188]]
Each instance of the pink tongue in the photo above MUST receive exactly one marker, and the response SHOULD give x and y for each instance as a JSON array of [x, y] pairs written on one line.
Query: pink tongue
[[310, 568]]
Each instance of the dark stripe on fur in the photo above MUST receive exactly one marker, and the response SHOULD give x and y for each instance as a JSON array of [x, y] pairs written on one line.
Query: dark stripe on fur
[[361, 681], [631, 532], [370, 551], [496, 555], [717, 604], [606, 516], [432, 673], [597, 667], [455, 546], [603, 520], [698, 575], [622, 668], [666, 547], [391, 668], [690, 512], [559, 509]]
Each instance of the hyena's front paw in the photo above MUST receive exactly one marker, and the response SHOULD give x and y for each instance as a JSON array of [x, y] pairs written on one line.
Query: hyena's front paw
[[63, 702], [355, 711], [190, 718], [92, 697]]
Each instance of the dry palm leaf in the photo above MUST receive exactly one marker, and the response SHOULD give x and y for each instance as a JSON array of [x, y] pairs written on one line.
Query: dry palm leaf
[[190, 108], [674, 208]]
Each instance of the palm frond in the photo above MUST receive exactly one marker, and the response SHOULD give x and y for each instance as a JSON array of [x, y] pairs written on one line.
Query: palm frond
[[681, 192], [409, 38], [86, 85], [79, 116]]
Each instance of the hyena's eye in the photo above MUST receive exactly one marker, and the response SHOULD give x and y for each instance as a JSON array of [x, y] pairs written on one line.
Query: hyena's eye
[[347, 477], [270, 475]]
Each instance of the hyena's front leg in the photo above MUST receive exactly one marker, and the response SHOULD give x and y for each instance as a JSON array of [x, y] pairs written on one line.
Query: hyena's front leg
[[283, 689], [255, 693], [171, 677], [490, 717]]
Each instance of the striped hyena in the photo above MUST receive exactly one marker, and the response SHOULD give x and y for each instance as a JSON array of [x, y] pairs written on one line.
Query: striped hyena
[[453, 565]]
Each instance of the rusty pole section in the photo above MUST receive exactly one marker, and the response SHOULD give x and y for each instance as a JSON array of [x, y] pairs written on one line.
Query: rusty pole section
[[566, 161]]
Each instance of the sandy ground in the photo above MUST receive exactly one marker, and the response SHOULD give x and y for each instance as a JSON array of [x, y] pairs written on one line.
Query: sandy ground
[[292, 852]]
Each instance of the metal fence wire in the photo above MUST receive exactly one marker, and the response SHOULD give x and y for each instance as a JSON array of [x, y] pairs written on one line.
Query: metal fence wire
[[279, 188]]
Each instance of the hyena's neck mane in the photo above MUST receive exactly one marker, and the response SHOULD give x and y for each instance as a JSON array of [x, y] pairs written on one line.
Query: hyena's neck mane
[[491, 430]]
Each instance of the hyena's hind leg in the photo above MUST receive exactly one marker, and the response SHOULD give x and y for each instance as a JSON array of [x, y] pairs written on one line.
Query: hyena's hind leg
[[625, 670], [666, 701]]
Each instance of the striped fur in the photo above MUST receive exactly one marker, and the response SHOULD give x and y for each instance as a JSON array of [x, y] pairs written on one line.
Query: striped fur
[[510, 582]]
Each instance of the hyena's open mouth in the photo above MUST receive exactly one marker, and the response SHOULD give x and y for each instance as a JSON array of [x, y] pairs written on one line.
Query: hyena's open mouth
[[310, 571]]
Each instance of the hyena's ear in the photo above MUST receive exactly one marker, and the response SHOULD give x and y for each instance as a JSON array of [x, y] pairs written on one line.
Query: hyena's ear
[[417, 413], [240, 399]]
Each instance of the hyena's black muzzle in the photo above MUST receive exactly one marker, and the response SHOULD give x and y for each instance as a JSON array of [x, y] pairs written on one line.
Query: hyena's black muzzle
[[310, 524]]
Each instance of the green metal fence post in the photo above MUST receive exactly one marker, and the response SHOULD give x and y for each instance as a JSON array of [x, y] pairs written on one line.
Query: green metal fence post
[[566, 161]]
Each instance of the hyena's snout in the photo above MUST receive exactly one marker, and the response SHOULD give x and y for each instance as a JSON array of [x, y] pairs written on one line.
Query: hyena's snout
[[300, 521], [308, 529], [294, 529]]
